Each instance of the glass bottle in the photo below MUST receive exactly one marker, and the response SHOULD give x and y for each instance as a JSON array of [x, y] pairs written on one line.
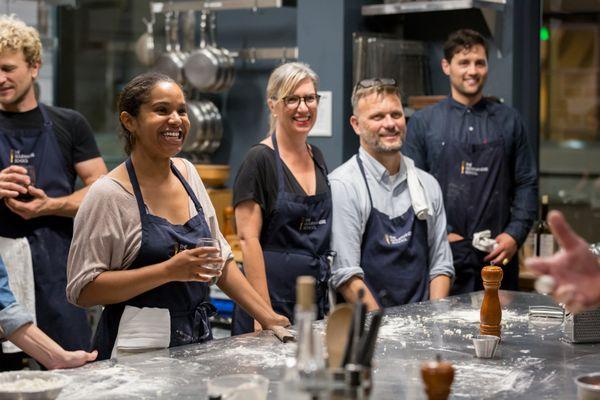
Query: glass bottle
[[544, 244], [305, 375]]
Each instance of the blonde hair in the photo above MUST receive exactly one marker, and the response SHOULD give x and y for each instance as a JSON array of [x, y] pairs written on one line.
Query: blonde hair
[[285, 79], [360, 92], [15, 35]]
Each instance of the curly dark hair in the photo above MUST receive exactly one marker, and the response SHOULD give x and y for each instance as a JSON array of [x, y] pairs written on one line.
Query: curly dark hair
[[133, 95], [463, 39]]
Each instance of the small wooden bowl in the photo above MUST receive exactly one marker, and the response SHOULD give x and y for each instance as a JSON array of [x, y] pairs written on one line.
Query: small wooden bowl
[[213, 175]]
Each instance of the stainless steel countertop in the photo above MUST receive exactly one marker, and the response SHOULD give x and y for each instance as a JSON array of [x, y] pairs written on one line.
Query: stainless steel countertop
[[532, 361]]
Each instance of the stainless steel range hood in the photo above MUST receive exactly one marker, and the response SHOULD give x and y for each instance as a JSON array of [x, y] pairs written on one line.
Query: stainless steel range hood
[[490, 10], [406, 7]]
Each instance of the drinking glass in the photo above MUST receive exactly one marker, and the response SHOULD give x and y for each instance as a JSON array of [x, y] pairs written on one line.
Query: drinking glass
[[211, 242], [31, 172]]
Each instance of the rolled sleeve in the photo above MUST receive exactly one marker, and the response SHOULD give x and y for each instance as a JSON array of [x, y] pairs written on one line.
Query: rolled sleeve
[[7, 297], [440, 255], [97, 247], [13, 317], [348, 226]]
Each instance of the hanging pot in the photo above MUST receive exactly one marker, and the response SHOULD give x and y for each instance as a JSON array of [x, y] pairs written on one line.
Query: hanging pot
[[205, 142], [202, 67], [144, 47], [217, 130], [197, 126], [226, 60], [171, 61]]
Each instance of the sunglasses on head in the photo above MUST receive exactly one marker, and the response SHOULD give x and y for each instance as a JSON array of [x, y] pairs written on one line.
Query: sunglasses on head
[[374, 82]]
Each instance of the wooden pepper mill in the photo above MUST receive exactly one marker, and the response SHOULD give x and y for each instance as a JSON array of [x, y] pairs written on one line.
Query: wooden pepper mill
[[491, 312], [437, 376]]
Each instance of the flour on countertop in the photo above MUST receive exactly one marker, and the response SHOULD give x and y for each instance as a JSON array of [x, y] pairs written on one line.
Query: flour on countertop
[[401, 327], [118, 382], [28, 385], [487, 380]]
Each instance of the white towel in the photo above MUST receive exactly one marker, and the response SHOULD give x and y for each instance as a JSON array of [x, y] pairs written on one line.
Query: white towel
[[418, 197], [16, 255], [142, 329], [483, 241]]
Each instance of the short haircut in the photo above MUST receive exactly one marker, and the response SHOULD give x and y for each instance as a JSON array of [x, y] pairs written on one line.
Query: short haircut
[[15, 35], [285, 79], [463, 39], [361, 92]]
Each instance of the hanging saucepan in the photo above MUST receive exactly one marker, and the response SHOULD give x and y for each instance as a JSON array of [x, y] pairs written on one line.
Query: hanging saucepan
[[188, 28], [144, 47], [171, 61], [226, 60], [202, 67], [197, 126], [206, 141], [217, 133]]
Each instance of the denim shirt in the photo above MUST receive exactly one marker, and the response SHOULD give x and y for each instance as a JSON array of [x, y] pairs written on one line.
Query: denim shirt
[[483, 122], [12, 314]]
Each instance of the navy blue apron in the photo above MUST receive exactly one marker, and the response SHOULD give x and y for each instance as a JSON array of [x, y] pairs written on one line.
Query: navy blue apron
[[50, 236], [295, 242], [188, 302], [475, 181], [394, 255]]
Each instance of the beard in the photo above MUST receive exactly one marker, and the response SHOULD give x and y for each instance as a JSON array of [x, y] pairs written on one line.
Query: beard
[[375, 143]]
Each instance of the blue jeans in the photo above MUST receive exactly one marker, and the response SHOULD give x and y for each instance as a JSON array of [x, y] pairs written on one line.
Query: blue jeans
[[12, 314]]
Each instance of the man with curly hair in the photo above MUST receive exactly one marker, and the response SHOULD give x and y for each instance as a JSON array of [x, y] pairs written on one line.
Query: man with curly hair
[[43, 150]]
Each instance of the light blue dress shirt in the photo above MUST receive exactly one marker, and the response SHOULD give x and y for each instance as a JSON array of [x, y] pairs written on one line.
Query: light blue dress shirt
[[12, 314], [351, 209]]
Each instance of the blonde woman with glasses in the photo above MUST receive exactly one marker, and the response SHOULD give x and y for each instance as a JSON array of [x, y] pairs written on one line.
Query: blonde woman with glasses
[[282, 199]]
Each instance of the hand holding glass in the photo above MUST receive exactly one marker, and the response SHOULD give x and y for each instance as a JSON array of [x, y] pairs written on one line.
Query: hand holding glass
[[25, 197], [214, 243]]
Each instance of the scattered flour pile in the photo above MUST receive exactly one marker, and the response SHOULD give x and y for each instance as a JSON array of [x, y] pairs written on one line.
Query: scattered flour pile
[[30, 385]]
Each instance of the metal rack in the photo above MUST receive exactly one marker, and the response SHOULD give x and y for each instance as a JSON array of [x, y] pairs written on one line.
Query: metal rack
[[251, 54], [266, 53], [406, 7], [216, 5]]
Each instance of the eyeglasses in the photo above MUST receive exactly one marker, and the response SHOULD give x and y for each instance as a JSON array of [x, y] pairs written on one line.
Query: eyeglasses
[[293, 101], [375, 82]]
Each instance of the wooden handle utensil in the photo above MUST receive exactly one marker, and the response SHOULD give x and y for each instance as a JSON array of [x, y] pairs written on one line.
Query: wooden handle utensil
[[283, 334]]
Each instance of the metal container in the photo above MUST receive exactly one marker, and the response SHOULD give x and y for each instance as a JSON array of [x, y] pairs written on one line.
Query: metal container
[[583, 327], [16, 385], [378, 56], [588, 386], [485, 345]]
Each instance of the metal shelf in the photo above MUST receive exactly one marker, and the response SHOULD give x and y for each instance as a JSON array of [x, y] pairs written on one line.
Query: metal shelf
[[215, 5], [267, 53], [429, 6]]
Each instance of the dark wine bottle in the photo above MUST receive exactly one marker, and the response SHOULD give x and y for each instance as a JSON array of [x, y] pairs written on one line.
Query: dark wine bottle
[[544, 244]]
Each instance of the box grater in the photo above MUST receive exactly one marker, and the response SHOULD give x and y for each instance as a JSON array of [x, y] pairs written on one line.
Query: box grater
[[583, 327]]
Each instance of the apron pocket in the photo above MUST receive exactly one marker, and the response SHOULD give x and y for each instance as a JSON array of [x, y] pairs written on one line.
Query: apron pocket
[[189, 327]]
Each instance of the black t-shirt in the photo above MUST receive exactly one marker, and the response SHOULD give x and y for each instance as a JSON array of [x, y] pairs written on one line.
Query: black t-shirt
[[73, 133], [257, 178]]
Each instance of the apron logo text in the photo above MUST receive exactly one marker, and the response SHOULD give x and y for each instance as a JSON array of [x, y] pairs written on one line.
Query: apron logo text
[[178, 248], [467, 168], [308, 224], [16, 157], [394, 240]]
